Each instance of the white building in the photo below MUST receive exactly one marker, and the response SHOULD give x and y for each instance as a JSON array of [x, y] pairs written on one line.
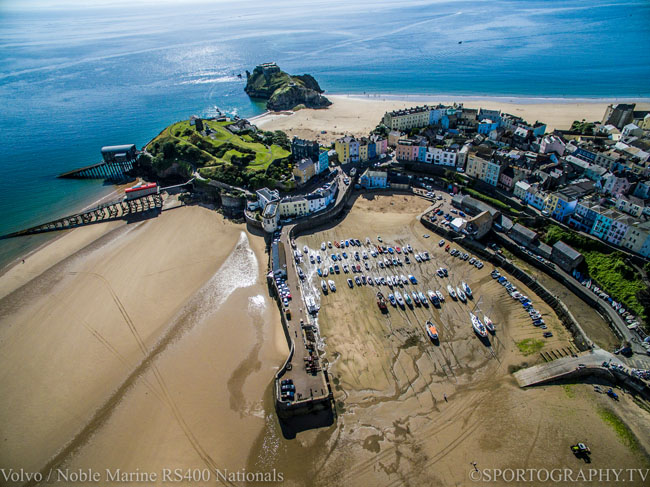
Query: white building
[[441, 156], [520, 189]]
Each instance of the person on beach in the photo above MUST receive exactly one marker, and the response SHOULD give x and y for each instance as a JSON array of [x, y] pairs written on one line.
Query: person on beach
[[445, 396]]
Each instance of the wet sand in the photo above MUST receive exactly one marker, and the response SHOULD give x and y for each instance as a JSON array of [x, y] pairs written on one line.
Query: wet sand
[[150, 348], [394, 426], [155, 345]]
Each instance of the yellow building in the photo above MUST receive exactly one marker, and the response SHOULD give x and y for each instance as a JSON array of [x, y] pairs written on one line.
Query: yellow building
[[304, 171], [363, 151]]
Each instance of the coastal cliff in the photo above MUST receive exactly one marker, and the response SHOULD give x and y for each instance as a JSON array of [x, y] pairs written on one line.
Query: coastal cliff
[[282, 90]]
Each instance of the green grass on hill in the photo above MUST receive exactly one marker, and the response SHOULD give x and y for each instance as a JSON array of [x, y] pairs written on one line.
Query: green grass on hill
[[239, 160], [605, 266], [498, 204]]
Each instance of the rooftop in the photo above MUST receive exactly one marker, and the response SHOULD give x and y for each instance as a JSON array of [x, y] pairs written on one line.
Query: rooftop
[[567, 251]]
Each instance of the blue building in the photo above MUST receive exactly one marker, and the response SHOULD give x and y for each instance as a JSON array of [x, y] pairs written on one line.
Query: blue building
[[422, 153], [486, 126], [373, 179], [323, 161]]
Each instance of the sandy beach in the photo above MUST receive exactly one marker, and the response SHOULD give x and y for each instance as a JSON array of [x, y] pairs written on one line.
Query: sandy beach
[[141, 346], [357, 115], [152, 346]]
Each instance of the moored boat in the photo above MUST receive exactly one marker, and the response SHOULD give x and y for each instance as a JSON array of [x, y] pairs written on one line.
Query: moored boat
[[332, 285], [350, 283], [398, 297], [432, 331], [381, 302], [416, 298], [423, 299], [451, 292], [441, 296], [467, 289], [408, 299], [392, 300], [305, 249], [324, 286], [461, 295], [488, 324], [479, 327], [337, 244]]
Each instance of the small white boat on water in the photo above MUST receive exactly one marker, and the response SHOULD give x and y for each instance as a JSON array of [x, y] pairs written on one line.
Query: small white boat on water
[[461, 295], [451, 292], [441, 296], [488, 324], [332, 285], [477, 325]]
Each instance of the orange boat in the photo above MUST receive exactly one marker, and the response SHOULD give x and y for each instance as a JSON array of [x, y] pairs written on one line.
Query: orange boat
[[336, 243], [432, 331]]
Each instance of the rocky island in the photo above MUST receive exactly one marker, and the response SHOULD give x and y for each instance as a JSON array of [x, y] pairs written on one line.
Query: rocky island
[[282, 90]]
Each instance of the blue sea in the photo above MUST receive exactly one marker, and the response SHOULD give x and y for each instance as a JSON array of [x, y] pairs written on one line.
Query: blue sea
[[77, 75]]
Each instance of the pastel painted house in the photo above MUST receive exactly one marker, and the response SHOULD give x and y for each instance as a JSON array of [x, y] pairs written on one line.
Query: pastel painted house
[[373, 179]]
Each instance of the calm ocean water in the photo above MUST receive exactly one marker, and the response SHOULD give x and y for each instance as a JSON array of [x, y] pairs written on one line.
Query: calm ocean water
[[74, 78]]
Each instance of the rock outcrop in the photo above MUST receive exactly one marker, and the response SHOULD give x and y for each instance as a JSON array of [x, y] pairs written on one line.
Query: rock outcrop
[[284, 91]]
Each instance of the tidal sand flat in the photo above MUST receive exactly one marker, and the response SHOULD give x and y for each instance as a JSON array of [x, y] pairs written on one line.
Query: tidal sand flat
[[394, 425], [146, 349]]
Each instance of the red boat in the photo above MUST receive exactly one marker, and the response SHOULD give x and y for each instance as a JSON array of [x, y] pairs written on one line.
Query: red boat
[[337, 244], [381, 302], [379, 249], [398, 250]]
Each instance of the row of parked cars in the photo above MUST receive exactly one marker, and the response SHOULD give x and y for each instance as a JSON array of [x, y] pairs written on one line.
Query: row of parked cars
[[287, 390]]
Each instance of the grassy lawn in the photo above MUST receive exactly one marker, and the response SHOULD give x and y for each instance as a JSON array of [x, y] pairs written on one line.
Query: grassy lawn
[[624, 433], [492, 201], [184, 133], [529, 346], [607, 267]]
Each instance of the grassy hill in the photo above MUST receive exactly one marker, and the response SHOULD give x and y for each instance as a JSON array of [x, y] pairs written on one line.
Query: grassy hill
[[250, 159]]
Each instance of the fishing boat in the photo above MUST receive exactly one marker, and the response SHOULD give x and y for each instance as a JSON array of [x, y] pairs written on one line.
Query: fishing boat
[[387, 262], [347, 243], [409, 248], [364, 279], [357, 280], [416, 298], [412, 279], [441, 296], [451, 292], [331, 269], [324, 286], [417, 258], [389, 281], [425, 255], [391, 250], [311, 259], [319, 272], [440, 273], [337, 269], [337, 244], [408, 299], [329, 245], [467, 289], [358, 268], [432, 331], [367, 266], [461, 295], [325, 272], [323, 246], [488, 324], [399, 299], [381, 264], [479, 327], [407, 260], [381, 302], [432, 296], [318, 258], [423, 299], [332, 285], [392, 300], [398, 250], [444, 271], [305, 249], [350, 283], [312, 307], [404, 279]]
